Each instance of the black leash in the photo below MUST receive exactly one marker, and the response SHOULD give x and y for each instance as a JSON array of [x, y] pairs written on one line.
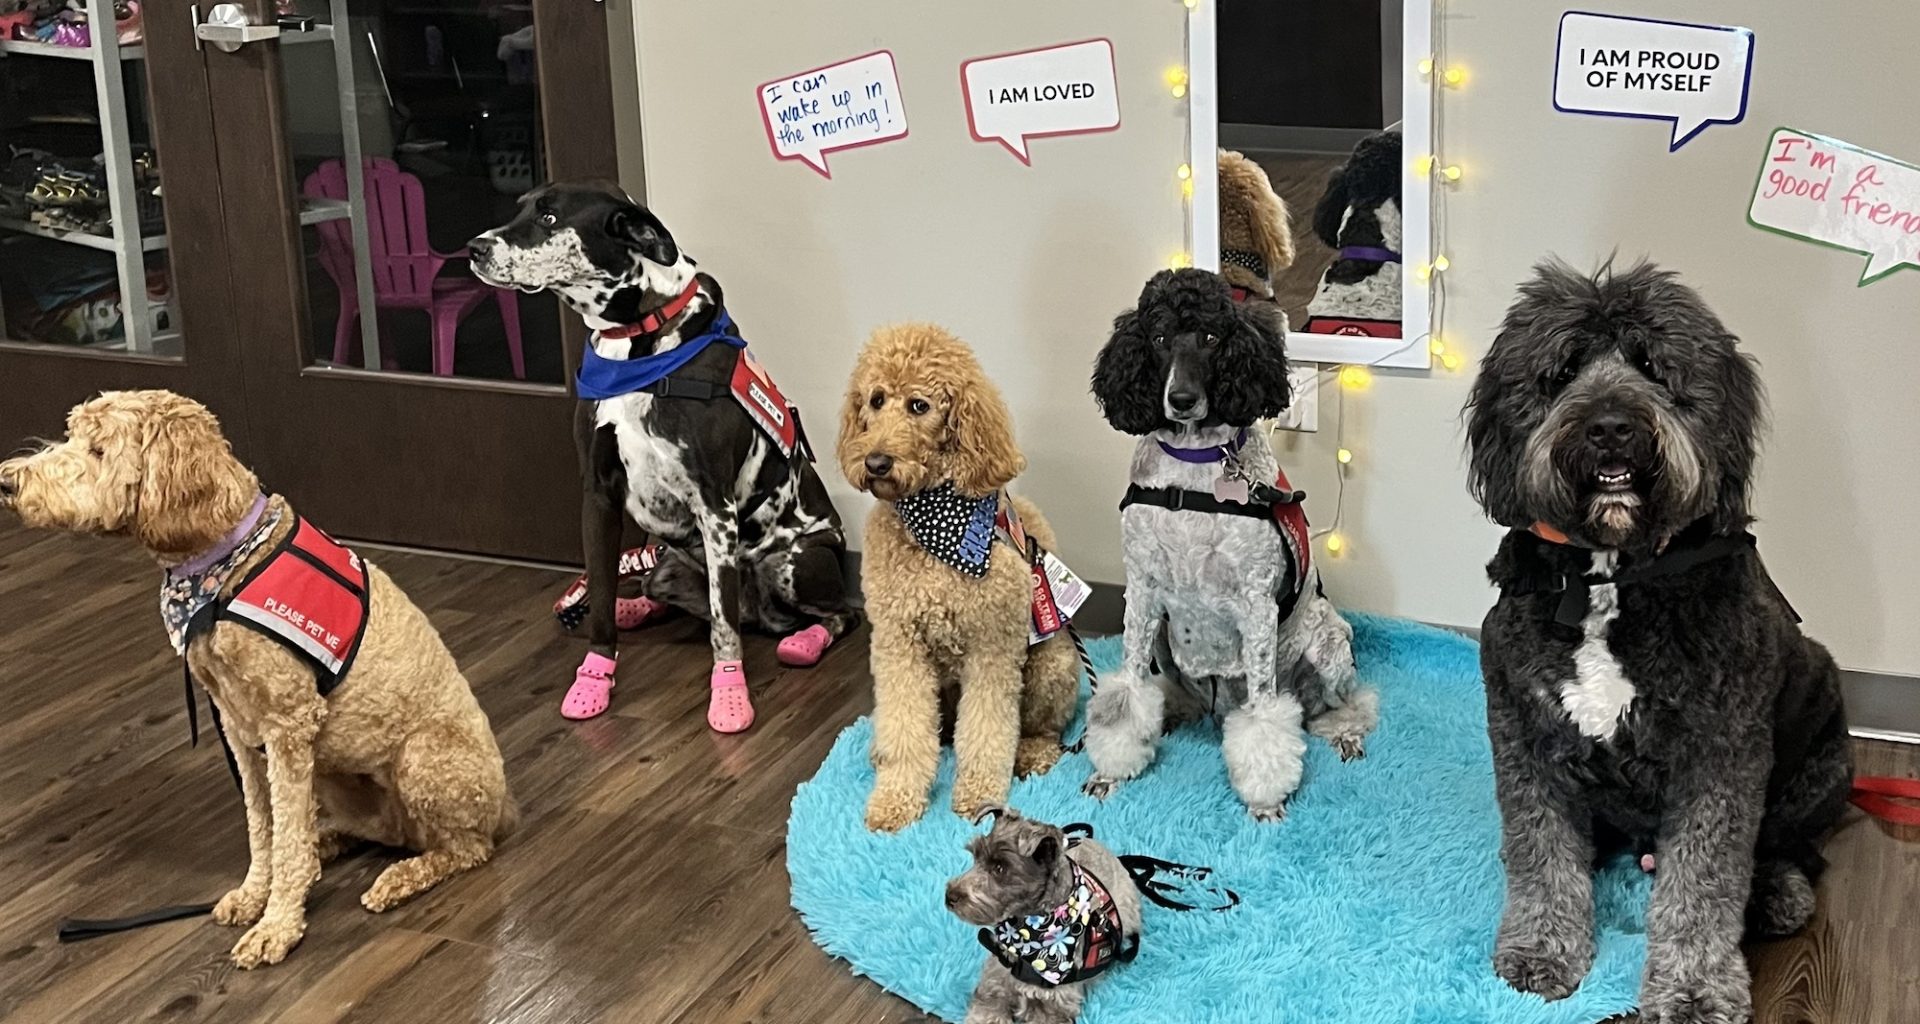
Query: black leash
[[1147, 874]]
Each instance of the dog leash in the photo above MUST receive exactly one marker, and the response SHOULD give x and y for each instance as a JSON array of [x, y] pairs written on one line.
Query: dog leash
[[1876, 795], [1147, 874]]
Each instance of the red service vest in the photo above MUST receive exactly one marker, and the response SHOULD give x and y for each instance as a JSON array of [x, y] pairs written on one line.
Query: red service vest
[[311, 596]]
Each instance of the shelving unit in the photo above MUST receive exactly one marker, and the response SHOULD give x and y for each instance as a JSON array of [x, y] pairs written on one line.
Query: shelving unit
[[128, 246]]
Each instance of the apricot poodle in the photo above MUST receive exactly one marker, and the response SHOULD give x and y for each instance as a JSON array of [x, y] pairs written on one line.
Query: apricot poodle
[[927, 433], [398, 752]]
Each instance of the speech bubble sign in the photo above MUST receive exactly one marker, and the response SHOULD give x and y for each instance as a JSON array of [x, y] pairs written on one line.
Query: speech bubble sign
[[1691, 75], [1068, 89], [853, 103], [1823, 190]]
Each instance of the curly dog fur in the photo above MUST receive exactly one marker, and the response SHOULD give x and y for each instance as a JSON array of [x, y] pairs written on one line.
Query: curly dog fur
[[1615, 421], [919, 413], [1190, 368], [400, 754], [1253, 221]]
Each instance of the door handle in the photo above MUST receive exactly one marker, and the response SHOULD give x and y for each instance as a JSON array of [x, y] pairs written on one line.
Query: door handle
[[227, 28]]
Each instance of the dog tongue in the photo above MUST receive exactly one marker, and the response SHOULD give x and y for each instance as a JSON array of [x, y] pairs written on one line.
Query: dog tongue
[[1615, 469]]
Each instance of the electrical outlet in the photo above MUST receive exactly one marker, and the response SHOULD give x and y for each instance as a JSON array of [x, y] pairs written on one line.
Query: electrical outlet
[[1303, 379]]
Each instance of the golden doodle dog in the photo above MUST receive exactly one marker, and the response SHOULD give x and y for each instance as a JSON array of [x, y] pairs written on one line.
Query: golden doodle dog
[[927, 433], [399, 753]]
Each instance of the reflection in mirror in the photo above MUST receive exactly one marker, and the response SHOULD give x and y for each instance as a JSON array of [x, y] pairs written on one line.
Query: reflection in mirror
[[1311, 101]]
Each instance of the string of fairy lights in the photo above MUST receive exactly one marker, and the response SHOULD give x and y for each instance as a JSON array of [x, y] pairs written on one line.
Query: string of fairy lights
[[1431, 166]]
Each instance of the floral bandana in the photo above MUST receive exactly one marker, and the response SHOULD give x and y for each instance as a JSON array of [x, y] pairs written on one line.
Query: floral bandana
[[1071, 943], [184, 595], [952, 527]]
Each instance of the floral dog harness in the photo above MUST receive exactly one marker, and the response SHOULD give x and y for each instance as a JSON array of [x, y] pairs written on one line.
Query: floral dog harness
[[1071, 943]]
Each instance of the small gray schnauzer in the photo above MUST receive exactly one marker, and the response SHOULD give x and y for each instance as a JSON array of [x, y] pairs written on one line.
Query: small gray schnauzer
[[1646, 683], [1055, 908]]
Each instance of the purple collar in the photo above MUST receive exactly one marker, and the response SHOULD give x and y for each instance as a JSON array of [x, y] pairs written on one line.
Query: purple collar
[[1368, 252], [1212, 453], [204, 560]]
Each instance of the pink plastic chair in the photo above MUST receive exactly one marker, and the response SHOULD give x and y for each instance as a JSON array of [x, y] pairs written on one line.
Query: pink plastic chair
[[405, 268]]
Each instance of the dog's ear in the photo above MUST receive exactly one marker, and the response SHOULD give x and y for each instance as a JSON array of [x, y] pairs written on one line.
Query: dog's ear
[[848, 450], [1744, 413], [1127, 379], [1332, 209], [980, 436], [639, 230], [188, 476], [1047, 850], [1249, 380]]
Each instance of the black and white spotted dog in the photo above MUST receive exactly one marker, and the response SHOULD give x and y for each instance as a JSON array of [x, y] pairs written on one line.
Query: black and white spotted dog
[[751, 536], [1359, 217], [1224, 611], [1646, 683]]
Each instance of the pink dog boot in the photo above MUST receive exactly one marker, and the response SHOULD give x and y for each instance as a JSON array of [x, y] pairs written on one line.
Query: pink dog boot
[[805, 648], [728, 707], [592, 689], [634, 612]]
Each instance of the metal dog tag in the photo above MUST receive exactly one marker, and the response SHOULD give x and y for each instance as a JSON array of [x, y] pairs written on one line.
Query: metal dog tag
[[1230, 488]]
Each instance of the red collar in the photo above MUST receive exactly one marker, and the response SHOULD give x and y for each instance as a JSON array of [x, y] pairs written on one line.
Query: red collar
[[658, 318], [1548, 533]]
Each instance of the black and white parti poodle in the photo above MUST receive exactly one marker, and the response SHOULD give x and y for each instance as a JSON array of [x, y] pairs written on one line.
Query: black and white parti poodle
[[1646, 683], [1224, 610]]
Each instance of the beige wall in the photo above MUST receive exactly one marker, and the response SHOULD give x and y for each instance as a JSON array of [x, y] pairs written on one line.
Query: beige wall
[[1029, 264], [1840, 481]]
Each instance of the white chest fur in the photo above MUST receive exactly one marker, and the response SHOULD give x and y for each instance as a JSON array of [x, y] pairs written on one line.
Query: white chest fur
[[1599, 692]]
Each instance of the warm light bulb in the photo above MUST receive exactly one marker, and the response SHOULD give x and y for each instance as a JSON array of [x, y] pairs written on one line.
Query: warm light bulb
[[1440, 263], [1422, 166], [1191, 4], [1437, 347], [1184, 172], [1334, 544], [1423, 272], [1450, 361], [1181, 259], [1355, 376], [1426, 66], [1186, 188], [1454, 75], [1177, 81], [1451, 172], [1344, 455]]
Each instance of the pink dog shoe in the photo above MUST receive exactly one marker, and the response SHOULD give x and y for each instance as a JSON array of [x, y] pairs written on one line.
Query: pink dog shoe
[[592, 689], [634, 612], [728, 708], [806, 647]]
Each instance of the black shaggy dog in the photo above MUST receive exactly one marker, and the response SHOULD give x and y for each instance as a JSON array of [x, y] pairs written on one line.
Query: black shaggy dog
[[1645, 680]]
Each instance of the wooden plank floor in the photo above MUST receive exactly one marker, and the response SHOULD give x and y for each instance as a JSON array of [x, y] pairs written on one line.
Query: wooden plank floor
[[647, 885]]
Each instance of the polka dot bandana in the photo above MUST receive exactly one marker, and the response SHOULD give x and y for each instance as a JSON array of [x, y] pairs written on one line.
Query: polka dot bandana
[[952, 527]]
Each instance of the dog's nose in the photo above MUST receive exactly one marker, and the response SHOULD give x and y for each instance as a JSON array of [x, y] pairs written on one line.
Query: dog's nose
[[1609, 430], [953, 897], [1182, 401], [6, 485], [879, 465], [480, 245]]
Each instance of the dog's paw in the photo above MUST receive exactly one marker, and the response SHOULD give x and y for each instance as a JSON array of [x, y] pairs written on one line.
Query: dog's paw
[[1350, 748], [268, 942], [386, 892], [1099, 787], [242, 906], [970, 798], [1548, 977], [891, 813], [1036, 756], [1718, 1003], [1278, 812]]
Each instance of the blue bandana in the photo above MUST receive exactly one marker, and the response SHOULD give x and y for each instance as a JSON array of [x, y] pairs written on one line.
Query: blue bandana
[[601, 377]]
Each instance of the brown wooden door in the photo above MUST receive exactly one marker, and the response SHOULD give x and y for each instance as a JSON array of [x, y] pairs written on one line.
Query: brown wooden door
[[434, 435], [65, 332]]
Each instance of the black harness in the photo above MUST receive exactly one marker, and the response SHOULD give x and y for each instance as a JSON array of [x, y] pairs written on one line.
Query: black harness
[[1262, 500], [1682, 555]]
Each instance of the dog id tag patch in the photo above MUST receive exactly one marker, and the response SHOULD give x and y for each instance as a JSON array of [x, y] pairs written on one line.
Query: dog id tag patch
[[1230, 488], [754, 390], [1065, 592]]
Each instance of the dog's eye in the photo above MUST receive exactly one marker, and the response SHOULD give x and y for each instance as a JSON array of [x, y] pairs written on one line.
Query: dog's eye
[[1159, 341], [879, 399], [96, 451], [1212, 340], [1565, 376], [549, 219], [918, 406], [997, 867], [1644, 363]]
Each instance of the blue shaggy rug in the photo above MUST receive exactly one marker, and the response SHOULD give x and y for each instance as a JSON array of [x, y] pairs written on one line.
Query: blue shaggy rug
[[1374, 901]]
